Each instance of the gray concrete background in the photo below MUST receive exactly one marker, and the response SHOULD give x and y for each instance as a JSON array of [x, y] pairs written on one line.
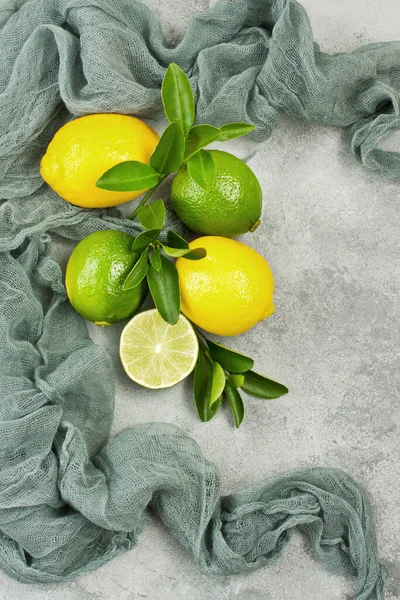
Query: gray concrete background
[[330, 232]]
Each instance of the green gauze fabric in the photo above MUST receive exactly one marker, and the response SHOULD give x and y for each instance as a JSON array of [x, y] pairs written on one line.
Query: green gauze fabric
[[70, 498]]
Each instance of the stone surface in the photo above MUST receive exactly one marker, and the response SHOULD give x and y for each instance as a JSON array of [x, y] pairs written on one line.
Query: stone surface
[[330, 232]]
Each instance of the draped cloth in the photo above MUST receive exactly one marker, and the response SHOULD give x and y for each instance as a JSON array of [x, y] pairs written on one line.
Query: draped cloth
[[70, 497]]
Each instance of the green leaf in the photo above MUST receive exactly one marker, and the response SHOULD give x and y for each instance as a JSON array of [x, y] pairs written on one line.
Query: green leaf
[[202, 387], [218, 382], [262, 387], [198, 137], [155, 259], [229, 359], [202, 169], [195, 254], [152, 216], [235, 403], [177, 97], [216, 406], [168, 155], [175, 252], [164, 289], [234, 130], [176, 241], [145, 238], [236, 380], [138, 272], [128, 176]]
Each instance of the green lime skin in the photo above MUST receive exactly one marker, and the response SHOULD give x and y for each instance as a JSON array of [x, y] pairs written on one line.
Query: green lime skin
[[230, 208], [95, 273]]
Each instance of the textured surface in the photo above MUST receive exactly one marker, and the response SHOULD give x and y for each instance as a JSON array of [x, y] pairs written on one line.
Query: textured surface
[[329, 232]]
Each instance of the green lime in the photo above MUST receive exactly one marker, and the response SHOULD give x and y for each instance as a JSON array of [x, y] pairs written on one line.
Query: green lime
[[230, 208], [96, 271]]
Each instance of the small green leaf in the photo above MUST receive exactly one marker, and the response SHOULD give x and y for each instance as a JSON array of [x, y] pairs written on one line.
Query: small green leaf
[[195, 254], [155, 259], [202, 386], [168, 155], [145, 238], [198, 137], [216, 406], [128, 176], [152, 216], [218, 382], [135, 256], [235, 403], [177, 97], [138, 272], [202, 169], [262, 387], [229, 359], [234, 130], [164, 289], [236, 380], [176, 241], [175, 252]]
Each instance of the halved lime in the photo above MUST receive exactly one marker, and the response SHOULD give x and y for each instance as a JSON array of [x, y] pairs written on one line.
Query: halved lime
[[155, 354]]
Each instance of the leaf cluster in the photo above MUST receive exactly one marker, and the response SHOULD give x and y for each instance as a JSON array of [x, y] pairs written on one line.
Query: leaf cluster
[[220, 373], [152, 262], [181, 142]]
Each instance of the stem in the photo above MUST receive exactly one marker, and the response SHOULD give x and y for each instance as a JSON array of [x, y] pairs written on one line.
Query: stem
[[201, 337], [146, 197]]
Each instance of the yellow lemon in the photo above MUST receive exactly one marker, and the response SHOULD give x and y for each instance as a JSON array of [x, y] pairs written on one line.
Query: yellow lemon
[[83, 149], [228, 291]]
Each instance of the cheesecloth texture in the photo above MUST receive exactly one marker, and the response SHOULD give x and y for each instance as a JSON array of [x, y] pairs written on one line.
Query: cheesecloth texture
[[70, 497]]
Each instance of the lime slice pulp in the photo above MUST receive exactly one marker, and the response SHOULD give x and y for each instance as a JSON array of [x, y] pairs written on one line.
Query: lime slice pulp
[[155, 354]]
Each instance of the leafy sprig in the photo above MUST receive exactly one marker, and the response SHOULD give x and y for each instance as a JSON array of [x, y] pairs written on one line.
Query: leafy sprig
[[152, 262], [182, 142], [219, 374]]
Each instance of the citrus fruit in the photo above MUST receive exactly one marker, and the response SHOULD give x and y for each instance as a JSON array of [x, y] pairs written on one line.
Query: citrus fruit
[[231, 207], [96, 271], [83, 149], [229, 290], [156, 354]]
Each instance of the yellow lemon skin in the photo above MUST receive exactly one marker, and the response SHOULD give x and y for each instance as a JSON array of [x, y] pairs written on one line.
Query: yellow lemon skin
[[228, 291], [83, 149]]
